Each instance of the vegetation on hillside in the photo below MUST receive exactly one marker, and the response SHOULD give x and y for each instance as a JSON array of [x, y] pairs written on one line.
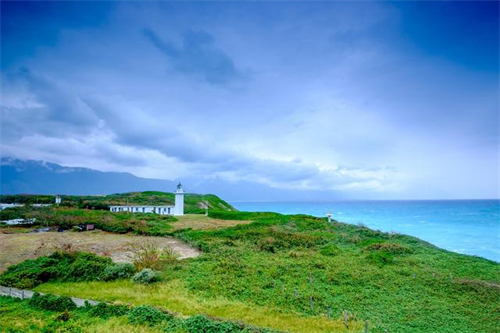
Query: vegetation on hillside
[[69, 217], [193, 203], [76, 210], [63, 267], [50, 313], [307, 269]]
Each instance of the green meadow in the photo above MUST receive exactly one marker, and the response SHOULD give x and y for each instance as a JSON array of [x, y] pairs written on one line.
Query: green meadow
[[298, 273]]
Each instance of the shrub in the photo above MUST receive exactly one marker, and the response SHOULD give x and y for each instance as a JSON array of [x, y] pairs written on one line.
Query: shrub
[[147, 254], [29, 273], [148, 315], [60, 266], [176, 325], [69, 326], [64, 316], [52, 302], [203, 324], [146, 276], [104, 310], [117, 229], [393, 248], [267, 244], [118, 271], [329, 250], [380, 258], [82, 266]]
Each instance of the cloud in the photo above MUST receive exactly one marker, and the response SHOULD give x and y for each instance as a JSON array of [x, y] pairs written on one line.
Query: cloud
[[198, 56], [35, 104], [334, 101]]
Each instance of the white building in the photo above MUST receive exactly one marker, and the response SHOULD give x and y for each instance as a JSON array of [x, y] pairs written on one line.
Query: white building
[[177, 209], [12, 205], [162, 210], [179, 200]]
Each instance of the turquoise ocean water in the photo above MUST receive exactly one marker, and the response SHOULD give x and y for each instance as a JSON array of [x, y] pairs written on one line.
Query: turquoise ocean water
[[463, 226]]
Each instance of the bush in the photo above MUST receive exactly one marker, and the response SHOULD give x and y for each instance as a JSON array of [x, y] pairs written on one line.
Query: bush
[[146, 276], [105, 311], [29, 273], [64, 316], [393, 248], [60, 266], [176, 325], [203, 324], [82, 266], [69, 326], [118, 271], [329, 250], [267, 244], [148, 315], [52, 302], [380, 258], [147, 254]]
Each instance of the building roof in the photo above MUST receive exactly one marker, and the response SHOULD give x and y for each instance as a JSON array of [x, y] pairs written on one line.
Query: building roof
[[145, 206]]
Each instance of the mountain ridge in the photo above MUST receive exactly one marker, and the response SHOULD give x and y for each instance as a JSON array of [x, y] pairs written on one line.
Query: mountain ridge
[[41, 177]]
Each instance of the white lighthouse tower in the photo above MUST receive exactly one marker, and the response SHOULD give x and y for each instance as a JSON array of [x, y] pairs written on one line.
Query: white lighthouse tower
[[179, 201]]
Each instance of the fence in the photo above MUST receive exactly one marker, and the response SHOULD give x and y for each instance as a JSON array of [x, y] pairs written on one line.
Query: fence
[[25, 294]]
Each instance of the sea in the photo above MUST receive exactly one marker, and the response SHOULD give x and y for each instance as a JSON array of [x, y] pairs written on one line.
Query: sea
[[463, 226]]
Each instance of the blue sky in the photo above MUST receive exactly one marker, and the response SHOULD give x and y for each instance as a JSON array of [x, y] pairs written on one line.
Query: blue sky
[[363, 99]]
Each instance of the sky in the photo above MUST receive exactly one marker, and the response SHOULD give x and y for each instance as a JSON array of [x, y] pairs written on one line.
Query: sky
[[384, 100]]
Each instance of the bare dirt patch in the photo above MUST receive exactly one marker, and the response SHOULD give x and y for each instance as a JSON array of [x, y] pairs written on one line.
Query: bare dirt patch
[[15, 248]]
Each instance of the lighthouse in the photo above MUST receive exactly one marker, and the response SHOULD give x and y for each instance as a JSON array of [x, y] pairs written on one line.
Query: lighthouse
[[179, 200]]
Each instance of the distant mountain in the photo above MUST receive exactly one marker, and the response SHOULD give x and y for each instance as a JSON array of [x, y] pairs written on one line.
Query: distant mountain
[[38, 177]]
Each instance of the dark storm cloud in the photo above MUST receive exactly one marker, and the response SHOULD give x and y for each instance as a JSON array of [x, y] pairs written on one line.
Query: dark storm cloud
[[198, 56], [37, 105]]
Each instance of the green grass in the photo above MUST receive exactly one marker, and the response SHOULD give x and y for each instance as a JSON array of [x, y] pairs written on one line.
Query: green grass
[[173, 295], [401, 285], [284, 272], [51, 313], [18, 316]]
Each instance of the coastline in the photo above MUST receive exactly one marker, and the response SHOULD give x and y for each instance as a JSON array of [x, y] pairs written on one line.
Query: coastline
[[469, 227]]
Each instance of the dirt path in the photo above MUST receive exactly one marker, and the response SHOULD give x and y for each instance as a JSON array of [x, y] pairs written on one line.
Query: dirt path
[[15, 248]]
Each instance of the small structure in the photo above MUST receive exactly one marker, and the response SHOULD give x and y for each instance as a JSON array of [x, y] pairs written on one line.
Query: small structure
[[19, 221], [329, 215], [179, 200], [83, 227], [58, 199], [162, 210], [13, 205], [9, 205]]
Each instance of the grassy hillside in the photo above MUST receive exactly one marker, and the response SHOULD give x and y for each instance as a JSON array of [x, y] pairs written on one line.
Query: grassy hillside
[[291, 272], [193, 203], [69, 217], [288, 272], [50, 313]]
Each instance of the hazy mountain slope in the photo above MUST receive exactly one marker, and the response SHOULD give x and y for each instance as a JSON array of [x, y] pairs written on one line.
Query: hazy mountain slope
[[38, 177]]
